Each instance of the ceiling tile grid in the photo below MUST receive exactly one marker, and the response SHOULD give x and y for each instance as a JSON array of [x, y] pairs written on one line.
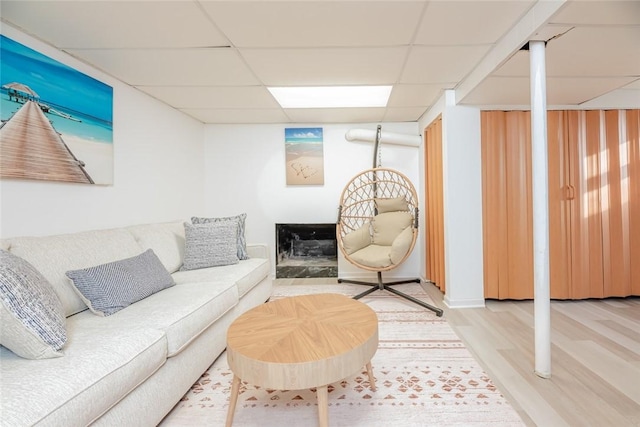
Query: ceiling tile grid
[[214, 59]]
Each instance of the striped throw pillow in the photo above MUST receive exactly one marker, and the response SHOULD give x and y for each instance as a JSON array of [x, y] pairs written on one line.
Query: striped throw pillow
[[110, 287]]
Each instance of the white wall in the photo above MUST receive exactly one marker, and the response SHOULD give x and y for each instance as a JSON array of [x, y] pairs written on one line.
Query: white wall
[[245, 172], [462, 181], [158, 169], [462, 191]]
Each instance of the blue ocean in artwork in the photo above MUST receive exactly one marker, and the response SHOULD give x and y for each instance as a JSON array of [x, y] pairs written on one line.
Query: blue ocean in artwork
[[62, 90], [304, 135]]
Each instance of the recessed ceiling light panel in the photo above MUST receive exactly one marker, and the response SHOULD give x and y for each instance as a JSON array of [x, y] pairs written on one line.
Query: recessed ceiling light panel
[[331, 96]]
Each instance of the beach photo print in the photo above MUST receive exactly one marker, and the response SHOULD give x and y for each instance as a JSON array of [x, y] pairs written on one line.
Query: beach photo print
[[57, 123], [304, 156]]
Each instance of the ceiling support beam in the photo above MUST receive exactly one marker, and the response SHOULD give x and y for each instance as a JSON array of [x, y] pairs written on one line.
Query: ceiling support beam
[[540, 196], [508, 45]]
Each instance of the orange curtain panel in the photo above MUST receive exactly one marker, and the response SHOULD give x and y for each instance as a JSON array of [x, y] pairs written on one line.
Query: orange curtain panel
[[434, 219], [594, 204]]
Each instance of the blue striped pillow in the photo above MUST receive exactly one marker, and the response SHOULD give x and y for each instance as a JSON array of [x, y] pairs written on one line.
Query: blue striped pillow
[[108, 288]]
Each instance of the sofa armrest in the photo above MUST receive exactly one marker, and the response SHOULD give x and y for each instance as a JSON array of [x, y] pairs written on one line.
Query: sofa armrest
[[258, 250]]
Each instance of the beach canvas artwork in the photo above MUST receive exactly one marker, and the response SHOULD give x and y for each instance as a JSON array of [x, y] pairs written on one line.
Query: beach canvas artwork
[[304, 156], [57, 123]]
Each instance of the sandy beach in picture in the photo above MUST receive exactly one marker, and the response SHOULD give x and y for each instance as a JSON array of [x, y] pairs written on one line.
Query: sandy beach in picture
[[304, 156], [305, 170], [97, 157]]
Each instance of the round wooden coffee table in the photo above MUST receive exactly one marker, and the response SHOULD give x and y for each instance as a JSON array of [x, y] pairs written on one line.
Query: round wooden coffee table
[[302, 342]]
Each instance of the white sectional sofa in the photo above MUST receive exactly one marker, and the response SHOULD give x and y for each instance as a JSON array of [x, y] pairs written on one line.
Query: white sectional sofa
[[132, 367]]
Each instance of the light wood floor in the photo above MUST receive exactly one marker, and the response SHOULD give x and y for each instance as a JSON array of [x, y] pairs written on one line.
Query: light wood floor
[[595, 364], [595, 358]]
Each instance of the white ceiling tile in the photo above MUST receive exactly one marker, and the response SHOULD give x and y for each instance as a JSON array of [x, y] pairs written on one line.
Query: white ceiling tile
[[572, 91], [254, 97], [469, 22], [438, 64], [410, 114], [115, 24], [599, 12], [336, 115], [500, 91], [616, 99], [171, 67], [322, 67], [316, 23], [591, 51], [633, 85], [560, 90], [517, 65], [416, 95], [242, 115], [585, 52]]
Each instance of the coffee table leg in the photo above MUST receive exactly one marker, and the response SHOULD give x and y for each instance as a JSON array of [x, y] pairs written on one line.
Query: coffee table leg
[[372, 381], [233, 399], [323, 406]]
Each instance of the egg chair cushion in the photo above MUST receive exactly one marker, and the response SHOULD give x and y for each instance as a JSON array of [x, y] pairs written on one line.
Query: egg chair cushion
[[374, 256], [401, 245], [387, 226], [357, 239], [392, 204]]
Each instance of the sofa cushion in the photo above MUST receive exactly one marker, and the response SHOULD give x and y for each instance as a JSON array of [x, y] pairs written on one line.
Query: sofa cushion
[[246, 274], [241, 240], [166, 240], [181, 312], [210, 245], [110, 287], [53, 256], [32, 321], [100, 366]]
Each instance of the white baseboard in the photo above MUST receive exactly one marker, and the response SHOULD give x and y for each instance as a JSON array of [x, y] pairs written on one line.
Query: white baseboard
[[464, 303]]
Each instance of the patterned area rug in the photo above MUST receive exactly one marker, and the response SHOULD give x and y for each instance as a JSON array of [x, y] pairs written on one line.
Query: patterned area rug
[[424, 373]]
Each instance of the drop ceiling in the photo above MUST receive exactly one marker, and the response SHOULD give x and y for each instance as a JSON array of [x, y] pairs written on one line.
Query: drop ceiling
[[213, 60]]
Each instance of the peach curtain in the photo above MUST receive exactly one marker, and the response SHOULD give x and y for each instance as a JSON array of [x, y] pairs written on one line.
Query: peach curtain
[[594, 204], [434, 235]]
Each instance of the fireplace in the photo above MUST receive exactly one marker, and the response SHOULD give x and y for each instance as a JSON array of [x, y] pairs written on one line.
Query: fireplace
[[306, 250]]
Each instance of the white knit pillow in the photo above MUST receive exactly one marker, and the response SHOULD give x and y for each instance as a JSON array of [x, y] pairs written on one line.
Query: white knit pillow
[[209, 245], [241, 240], [32, 321]]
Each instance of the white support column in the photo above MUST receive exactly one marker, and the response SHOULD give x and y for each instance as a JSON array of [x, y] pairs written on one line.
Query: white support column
[[542, 303]]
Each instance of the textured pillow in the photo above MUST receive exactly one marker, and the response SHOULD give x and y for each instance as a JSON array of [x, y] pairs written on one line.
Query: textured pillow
[[391, 205], [240, 219], [110, 287], [210, 244], [387, 226], [32, 321], [357, 239]]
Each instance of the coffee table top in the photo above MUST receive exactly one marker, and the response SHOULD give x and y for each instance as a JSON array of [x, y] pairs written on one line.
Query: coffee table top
[[302, 342]]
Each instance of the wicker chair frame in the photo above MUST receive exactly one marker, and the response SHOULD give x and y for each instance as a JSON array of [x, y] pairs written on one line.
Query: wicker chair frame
[[357, 207]]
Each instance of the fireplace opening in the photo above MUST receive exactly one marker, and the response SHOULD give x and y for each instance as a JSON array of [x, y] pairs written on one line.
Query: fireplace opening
[[306, 250]]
